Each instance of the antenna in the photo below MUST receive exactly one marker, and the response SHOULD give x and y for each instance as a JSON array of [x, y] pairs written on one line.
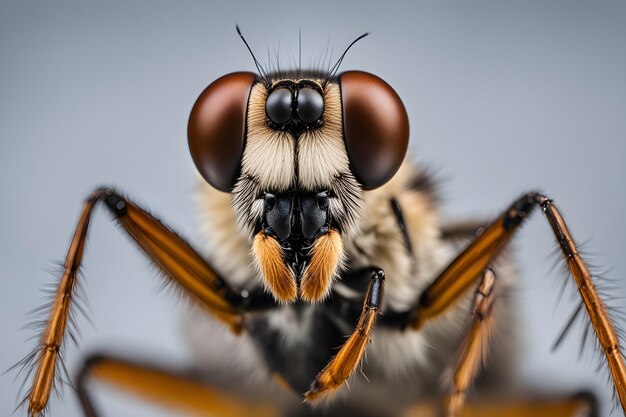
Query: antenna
[[333, 70], [260, 68]]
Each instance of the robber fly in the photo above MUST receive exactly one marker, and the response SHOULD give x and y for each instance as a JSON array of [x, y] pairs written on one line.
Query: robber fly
[[324, 244]]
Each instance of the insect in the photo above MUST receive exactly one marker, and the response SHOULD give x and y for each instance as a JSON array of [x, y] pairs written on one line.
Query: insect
[[316, 228]]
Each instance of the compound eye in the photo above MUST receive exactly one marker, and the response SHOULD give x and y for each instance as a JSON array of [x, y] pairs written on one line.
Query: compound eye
[[375, 126], [278, 106], [310, 105], [217, 126]]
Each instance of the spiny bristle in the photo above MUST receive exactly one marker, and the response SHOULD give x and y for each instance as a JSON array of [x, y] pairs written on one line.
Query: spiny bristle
[[277, 276], [326, 257]]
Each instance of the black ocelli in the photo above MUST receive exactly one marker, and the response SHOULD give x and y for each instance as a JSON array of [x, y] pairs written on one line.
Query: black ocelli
[[294, 126]]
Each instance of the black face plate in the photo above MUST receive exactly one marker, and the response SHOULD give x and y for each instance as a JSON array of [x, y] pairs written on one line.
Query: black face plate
[[296, 219]]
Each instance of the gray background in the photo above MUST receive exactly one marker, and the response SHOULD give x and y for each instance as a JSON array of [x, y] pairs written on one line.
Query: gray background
[[503, 97]]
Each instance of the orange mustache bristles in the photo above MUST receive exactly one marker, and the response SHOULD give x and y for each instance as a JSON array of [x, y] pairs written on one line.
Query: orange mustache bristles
[[326, 257], [280, 279]]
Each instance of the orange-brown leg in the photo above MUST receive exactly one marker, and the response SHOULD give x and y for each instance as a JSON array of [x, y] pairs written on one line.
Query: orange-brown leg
[[176, 391], [473, 354], [180, 263], [476, 345], [582, 405], [349, 356], [461, 274], [577, 406]]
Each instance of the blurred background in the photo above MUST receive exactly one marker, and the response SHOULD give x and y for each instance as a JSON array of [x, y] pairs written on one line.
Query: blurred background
[[503, 97]]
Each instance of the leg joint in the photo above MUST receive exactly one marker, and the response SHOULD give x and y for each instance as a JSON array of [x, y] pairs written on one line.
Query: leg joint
[[541, 199], [114, 201], [519, 210], [377, 274]]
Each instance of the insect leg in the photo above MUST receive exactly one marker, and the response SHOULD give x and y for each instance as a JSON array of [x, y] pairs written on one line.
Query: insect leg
[[174, 390], [579, 405], [180, 263], [476, 345], [461, 230], [349, 356], [463, 271]]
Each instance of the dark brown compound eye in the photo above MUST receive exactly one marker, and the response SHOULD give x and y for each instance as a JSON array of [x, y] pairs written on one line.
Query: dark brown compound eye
[[217, 128], [376, 127]]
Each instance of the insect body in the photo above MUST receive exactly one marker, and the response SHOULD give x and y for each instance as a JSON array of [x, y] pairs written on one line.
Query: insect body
[[318, 231]]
